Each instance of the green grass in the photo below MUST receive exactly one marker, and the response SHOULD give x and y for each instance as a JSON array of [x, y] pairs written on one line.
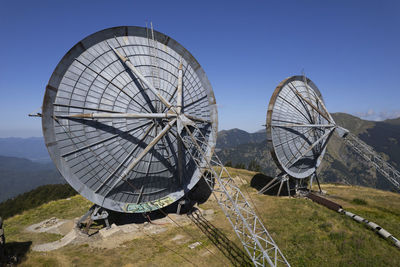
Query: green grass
[[308, 234], [359, 201], [35, 198]]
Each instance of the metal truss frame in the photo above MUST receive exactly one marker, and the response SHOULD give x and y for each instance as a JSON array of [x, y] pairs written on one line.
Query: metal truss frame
[[248, 227], [279, 179], [367, 152]]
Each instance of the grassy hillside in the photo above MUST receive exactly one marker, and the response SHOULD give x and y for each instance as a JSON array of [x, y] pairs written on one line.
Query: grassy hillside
[[307, 233], [35, 198]]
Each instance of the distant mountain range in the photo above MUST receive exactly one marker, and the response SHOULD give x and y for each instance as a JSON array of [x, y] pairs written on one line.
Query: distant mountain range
[[235, 137], [18, 175], [25, 163], [340, 164]]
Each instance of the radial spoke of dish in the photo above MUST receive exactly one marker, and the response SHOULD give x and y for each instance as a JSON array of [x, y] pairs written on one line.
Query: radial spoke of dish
[[289, 125], [120, 115], [322, 104], [104, 140], [194, 118], [141, 139], [136, 72], [313, 106], [311, 147], [110, 82], [309, 97], [306, 108], [143, 153], [179, 98], [179, 104], [88, 108]]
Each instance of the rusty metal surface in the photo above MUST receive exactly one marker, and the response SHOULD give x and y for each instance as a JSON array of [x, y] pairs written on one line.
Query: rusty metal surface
[[92, 150], [297, 150], [336, 207], [325, 202]]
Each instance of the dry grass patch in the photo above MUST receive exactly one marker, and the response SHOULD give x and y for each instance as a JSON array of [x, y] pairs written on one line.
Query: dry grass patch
[[308, 234]]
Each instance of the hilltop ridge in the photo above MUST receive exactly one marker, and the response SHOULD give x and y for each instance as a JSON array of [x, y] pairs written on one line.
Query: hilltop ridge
[[308, 234]]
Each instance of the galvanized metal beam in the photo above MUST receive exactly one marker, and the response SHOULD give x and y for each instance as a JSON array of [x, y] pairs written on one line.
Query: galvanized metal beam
[[289, 125], [322, 104], [179, 96], [145, 134], [255, 238], [313, 106], [136, 72], [142, 154], [111, 82], [368, 153], [311, 147], [103, 140], [120, 115]]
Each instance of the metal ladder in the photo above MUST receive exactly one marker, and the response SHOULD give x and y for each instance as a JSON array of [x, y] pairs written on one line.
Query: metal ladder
[[155, 68], [368, 153], [255, 238]]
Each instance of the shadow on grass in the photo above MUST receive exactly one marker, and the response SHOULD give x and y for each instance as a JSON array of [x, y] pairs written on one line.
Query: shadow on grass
[[14, 253], [231, 251], [260, 180], [197, 195]]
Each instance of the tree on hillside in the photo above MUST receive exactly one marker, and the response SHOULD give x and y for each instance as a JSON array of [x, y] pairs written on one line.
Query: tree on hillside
[[240, 166], [35, 198], [254, 166], [228, 164]]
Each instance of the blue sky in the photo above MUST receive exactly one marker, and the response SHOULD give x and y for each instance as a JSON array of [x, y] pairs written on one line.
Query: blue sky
[[350, 49]]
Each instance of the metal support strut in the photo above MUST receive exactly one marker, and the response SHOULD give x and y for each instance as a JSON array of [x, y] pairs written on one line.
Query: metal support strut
[[255, 238], [314, 175], [381, 165], [280, 179], [95, 213]]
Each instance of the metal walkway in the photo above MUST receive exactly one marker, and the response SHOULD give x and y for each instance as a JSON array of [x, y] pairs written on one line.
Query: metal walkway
[[255, 238], [381, 165]]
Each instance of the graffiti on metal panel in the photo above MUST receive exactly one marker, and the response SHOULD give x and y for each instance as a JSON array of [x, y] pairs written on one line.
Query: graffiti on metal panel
[[148, 206]]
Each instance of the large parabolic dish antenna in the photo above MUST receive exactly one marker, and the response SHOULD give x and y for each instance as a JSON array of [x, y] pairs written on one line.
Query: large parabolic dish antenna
[[298, 126], [130, 120], [111, 115]]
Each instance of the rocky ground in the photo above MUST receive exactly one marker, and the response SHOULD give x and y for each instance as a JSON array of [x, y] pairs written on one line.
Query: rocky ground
[[108, 238]]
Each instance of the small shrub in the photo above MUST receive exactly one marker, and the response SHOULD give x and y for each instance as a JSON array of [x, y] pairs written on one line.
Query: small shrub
[[254, 166], [359, 201], [240, 166]]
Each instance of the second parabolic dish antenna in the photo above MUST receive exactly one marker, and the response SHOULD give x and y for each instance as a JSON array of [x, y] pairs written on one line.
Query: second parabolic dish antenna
[[298, 130], [111, 115], [298, 126]]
